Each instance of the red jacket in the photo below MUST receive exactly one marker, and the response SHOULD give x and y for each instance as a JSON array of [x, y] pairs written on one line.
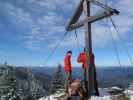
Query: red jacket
[[82, 58], [67, 63]]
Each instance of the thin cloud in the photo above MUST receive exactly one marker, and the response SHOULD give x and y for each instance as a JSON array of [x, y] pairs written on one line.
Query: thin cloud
[[47, 28]]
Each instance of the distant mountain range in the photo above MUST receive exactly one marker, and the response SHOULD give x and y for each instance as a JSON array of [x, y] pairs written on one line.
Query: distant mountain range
[[107, 76]]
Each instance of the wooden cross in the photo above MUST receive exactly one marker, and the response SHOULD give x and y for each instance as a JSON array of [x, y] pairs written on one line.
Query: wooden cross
[[84, 5]]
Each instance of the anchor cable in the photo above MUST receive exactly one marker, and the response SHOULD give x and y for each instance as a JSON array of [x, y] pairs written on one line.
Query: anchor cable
[[118, 34], [77, 40], [55, 48], [115, 45]]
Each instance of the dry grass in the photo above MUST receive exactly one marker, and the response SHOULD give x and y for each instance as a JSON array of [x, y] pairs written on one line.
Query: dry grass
[[120, 97]]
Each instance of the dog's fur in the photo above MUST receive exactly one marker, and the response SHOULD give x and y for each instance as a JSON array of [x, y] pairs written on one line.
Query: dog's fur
[[76, 89]]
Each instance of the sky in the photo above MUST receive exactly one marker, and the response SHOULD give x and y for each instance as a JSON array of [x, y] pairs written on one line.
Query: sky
[[30, 29]]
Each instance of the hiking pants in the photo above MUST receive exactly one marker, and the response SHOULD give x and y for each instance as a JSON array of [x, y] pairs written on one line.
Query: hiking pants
[[68, 80]]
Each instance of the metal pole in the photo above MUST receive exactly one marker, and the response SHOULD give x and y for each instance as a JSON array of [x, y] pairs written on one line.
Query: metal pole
[[88, 45]]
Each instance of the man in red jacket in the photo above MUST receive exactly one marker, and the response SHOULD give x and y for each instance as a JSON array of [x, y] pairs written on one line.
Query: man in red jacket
[[68, 69], [82, 58]]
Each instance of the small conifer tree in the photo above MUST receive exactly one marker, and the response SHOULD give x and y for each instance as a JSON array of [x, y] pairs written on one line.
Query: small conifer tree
[[57, 82]]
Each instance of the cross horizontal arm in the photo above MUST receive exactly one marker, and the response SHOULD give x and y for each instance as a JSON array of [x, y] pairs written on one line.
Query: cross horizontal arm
[[90, 19], [76, 14], [72, 24]]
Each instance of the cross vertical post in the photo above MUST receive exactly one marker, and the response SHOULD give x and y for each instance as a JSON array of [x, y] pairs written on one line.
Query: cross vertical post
[[89, 84]]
